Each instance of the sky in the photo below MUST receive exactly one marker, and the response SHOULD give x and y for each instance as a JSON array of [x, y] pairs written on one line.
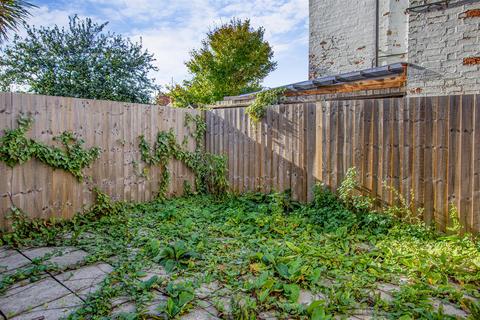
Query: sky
[[171, 29]]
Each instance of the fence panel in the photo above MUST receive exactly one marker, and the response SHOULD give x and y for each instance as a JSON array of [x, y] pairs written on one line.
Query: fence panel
[[43, 192], [427, 147]]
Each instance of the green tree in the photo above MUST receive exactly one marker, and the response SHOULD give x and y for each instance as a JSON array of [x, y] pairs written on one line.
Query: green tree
[[79, 61], [234, 59], [12, 14]]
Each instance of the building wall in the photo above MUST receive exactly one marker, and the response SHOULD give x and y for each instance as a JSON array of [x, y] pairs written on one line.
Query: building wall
[[342, 35], [441, 43], [393, 31]]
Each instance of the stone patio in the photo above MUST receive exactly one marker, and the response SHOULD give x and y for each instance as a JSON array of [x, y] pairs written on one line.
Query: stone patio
[[55, 294]]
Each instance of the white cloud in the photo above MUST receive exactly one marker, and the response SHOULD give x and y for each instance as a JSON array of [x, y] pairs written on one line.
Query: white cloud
[[43, 16], [171, 29]]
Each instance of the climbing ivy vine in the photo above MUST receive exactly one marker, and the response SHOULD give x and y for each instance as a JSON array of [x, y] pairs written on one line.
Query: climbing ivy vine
[[16, 148], [258, 108], [210, 170]]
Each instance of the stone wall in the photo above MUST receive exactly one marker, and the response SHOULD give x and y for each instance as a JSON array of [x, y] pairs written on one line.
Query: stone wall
[[445, 44]]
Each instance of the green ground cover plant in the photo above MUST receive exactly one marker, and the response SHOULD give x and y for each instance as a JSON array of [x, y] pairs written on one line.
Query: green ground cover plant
[[265, 250]]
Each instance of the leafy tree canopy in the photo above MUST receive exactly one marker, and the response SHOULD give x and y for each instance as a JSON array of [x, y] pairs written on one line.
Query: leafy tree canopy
[[233, 59], [79, 61]]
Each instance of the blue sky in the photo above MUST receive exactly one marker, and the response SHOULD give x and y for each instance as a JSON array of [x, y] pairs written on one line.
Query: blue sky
[[170, 29]]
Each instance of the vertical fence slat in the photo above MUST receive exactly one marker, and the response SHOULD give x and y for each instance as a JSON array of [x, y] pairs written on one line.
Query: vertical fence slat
[[310, 144], [466, 134], [454, 127], [428, 152], [441, 161], [475, 210], [395, 160], [6, 118]]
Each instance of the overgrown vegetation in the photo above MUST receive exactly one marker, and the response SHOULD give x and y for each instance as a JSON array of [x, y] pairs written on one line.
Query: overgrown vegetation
[[210, 169], [26, 230], [258, 108], [265, 251], [31, 273], [16, 148]]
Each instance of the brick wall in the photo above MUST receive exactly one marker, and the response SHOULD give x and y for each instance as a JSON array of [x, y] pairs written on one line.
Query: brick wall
[[342, 35], [446, 45]]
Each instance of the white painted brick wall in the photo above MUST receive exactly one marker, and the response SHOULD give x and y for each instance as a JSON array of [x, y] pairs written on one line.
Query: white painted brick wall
[[439, 41], [342, 39], [342, 34]]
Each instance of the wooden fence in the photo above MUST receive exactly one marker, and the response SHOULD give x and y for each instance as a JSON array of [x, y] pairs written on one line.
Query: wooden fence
[[43, 192], [426, 146]]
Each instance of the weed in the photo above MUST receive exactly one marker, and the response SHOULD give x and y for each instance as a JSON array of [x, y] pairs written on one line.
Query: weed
[[257, 109], [174, 256], [455, 226], [406, 210], [267, 250], [349, 194], [179, 297]]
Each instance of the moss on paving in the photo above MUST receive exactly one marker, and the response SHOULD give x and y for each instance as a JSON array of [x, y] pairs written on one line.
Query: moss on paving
[[266, 251]]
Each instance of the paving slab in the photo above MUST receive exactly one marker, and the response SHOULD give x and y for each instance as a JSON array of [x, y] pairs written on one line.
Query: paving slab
[[364, 247], [5, 251], [11, 261], [85, 279], [83, 235], [153, 305], [25, 282], [386, 291], [327, 283], [448, 309], [54, 310], [199, 314], [63, 257], [40, 252], [123, 309], [363, 313], [21, 299], [69, 260], [207, 289], [158, 271], [306, 297], [267, 315], [223, 304], [123, 305]]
